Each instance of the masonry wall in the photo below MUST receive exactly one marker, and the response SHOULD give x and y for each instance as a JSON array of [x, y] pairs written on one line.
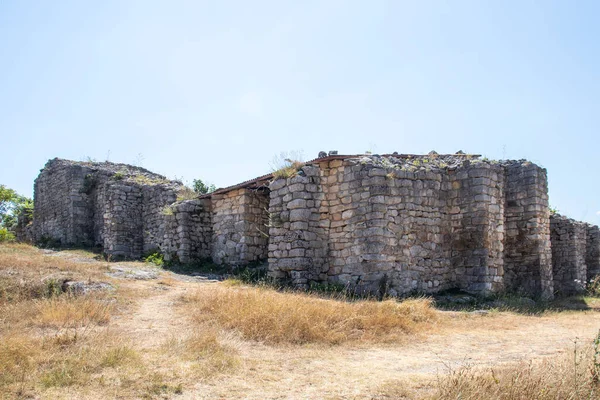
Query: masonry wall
[[240, 221], [527, 252], [188, 231], [123, 235], [569, 241], [378, 226], [299, 228], [154, 200], [112, 206], [383, 224], [62, 213], [592, 258]]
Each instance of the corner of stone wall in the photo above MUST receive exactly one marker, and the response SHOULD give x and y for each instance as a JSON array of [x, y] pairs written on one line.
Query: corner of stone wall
[[123, 221], [476, 210], [592, 259], [187, 233], [297, 233], [569, 243], [527, 252], [240, 220]]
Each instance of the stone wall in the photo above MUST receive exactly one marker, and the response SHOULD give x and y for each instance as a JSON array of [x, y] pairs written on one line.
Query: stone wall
[[387, 224], [154, 200], [408, 224], [61, 209], [188, 231], [569, 241], [592, 258], [112, 206], [391, 224], [122, 234], [475, 206], [527, 253], [298, 236], [240, 221]]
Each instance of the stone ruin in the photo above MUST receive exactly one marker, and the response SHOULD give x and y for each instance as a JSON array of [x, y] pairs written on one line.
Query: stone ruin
[[392, 223]]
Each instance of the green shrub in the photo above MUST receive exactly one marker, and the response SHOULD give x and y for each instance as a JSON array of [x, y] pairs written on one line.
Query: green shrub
[[155, 258], [6, 235]]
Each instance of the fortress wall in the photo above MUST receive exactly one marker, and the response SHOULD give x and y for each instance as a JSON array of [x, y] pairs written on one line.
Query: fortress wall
[[123, 221], [298, 228], [527, 253], [592, 258], [62, 211], [569, 241], [188, 231], [154, 199], [475, 194], [386, 229], [379, 224], [240, 220]]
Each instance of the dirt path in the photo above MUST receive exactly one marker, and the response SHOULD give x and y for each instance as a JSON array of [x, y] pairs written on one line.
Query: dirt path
[[353, 372], [155, 318]]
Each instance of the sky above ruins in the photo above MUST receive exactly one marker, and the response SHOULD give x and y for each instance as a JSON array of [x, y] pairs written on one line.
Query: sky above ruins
[[215, 90]]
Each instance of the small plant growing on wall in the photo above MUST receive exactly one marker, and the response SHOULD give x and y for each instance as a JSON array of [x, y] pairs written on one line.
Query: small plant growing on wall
[[286, 165], [167, 211], [186, 193]]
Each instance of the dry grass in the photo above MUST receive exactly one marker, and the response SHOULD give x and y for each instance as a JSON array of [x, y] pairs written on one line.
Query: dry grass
[[49, 339], [71, 311], [207, 352], [27, 273], [573, 375], [570, 375], [267, 315], [288, 170]]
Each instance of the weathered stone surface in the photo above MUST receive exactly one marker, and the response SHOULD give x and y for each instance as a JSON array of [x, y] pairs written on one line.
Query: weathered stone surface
[[378, 224], [114, 206], [132, 273], [569, 241]]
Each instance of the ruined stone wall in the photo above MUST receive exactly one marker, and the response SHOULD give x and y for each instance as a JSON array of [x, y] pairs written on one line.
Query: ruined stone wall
[[123, 235], [475, 204], [592, 258], [240, 220], [569, 241], [188, 231], [113, 206], [527, 253], [154, 200], [62, 212], [298, 228], [381, 224]]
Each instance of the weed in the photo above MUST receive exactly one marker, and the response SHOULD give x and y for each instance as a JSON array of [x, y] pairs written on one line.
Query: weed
[[118, 176], [156, 258], [289, 170], [185, 193], [167, 211], [118, 356]]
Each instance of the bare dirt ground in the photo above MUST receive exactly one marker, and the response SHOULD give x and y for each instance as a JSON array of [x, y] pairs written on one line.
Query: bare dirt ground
[[349, 372]]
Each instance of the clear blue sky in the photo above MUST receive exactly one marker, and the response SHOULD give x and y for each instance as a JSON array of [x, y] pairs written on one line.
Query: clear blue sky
[[215, 89]]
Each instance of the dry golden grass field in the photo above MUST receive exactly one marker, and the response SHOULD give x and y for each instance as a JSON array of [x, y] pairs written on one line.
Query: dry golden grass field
[[159, 334]]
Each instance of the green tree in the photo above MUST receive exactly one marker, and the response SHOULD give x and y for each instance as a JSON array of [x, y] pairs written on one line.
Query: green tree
[[203, 188], [12, 205]]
